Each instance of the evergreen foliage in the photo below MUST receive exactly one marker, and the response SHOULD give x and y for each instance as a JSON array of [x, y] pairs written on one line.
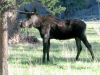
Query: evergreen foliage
[[6, 5], [72, 5], [52, 6]]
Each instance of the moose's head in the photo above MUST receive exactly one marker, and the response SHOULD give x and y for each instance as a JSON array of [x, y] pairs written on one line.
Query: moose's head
[[32, 18]]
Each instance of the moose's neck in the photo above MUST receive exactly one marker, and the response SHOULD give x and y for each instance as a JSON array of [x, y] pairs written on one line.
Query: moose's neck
[[36, 19]]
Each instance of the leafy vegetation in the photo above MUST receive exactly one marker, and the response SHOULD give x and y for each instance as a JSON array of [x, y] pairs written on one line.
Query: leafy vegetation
[[26, 59], [55, 6], [52, 6], [72, 5], [49, 4], [6, 5]]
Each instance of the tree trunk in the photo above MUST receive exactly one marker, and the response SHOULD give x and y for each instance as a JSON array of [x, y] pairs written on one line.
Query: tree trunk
[[8, 28], [3, 44]]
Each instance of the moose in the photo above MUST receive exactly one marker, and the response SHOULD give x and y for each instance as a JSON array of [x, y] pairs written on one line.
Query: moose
[[50, 27]]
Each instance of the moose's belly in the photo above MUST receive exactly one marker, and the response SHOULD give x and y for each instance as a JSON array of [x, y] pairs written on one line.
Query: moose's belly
[[62, 36]]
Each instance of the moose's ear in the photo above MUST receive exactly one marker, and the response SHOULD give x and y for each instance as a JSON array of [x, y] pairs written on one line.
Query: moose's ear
[[34, 9], [26, 10]]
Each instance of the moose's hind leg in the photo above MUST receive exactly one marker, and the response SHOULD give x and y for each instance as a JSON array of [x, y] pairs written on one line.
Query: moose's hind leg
[[88, 45], [79, 47]]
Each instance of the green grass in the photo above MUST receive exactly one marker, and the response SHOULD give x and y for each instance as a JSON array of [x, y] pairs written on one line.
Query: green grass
[[26, 59]]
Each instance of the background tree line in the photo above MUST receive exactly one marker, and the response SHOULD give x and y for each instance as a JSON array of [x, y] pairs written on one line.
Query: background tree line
[[56, 6]]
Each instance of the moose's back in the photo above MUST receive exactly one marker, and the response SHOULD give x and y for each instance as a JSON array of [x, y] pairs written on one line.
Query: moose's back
[[62, 29]]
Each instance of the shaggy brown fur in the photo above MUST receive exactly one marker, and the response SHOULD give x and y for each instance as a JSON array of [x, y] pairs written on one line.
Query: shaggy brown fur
[[51, 27]]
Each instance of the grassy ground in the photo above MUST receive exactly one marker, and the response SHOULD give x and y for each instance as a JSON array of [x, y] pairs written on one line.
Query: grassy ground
[[26, 59]]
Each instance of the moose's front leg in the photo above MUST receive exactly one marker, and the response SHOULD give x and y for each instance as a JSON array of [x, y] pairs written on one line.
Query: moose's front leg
[[46, 46]]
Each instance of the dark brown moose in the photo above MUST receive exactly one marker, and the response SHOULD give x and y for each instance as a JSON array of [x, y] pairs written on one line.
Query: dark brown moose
[[51, 27]]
